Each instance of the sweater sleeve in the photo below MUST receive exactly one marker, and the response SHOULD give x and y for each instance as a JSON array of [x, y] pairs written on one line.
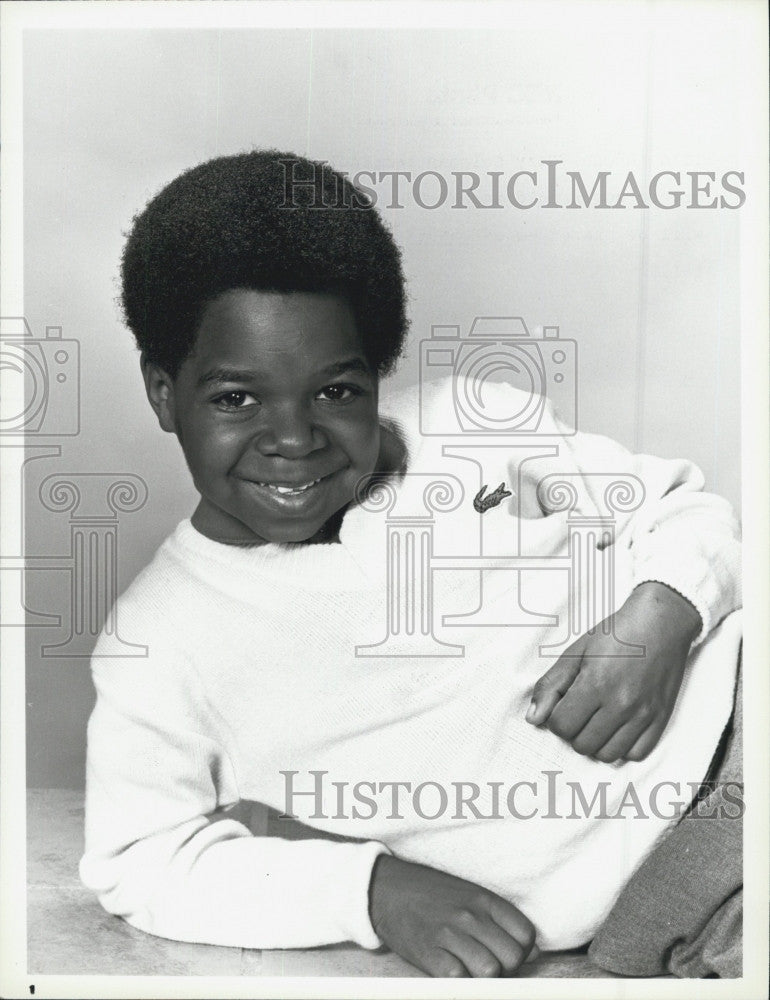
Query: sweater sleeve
[[164, 847], [679, 535]]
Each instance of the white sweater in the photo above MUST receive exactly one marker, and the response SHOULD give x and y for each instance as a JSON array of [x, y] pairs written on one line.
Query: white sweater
[[251, 672]]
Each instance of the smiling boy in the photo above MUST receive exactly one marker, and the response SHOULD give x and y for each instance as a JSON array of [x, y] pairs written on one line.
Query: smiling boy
[[264, 333], [273, 456]]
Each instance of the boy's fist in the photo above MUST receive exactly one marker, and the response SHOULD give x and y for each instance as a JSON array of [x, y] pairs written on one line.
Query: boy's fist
[[444, 925], [611, 706]]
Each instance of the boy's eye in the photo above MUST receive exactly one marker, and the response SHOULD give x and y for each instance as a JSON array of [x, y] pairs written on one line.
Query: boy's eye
[[237, 399], [339, 392]]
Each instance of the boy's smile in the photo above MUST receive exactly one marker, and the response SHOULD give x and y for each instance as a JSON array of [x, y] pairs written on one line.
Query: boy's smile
[[276, 412]]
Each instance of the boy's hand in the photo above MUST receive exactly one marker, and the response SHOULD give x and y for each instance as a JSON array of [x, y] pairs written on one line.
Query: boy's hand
[[445, 925], [613, 707]]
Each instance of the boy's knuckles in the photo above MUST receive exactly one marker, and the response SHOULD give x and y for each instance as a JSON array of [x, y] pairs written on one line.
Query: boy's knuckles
[[466, 919], [444, 931], [481, 900], [624, 704]]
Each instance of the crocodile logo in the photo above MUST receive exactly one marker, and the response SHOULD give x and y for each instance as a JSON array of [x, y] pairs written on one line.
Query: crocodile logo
[[482, 503]]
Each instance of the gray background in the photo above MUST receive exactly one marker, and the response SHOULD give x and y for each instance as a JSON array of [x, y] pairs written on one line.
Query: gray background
[[651, 297]]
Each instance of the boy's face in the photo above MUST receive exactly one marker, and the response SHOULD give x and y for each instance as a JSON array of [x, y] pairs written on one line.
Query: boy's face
[[276, 412]]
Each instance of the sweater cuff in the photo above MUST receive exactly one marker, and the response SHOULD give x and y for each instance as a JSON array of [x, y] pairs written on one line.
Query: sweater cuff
[[713, 590], [353, 899]]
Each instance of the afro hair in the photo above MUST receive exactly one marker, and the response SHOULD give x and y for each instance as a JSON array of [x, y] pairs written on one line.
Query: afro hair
[[262, 220]]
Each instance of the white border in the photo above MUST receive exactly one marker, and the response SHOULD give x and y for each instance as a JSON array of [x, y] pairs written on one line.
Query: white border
[[17, 17]]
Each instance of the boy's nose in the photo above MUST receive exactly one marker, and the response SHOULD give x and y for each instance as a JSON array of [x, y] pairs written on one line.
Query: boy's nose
[[290, 433]]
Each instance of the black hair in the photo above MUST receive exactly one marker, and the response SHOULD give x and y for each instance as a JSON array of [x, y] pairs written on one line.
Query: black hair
[[261, 220]]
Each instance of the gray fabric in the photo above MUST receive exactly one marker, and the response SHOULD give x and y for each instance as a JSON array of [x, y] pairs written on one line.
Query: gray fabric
[[718, 949], [681, 912]]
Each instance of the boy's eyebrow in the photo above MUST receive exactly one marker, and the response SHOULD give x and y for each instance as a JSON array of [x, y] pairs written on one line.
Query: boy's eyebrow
[[355, 365], [221, 374], [224, 374]]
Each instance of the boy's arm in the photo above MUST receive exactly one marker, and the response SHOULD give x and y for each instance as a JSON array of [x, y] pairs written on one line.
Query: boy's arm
[[679, 535], [685, 551], [161, 850]]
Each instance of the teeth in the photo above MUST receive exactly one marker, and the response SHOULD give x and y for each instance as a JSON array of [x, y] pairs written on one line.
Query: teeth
[[290, 490]]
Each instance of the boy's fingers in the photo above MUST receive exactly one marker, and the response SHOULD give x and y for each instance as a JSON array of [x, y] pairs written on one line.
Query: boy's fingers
[[600, 730], [535, 953], [480, 961], [551, 687], [442, 964], [615, 745], [574, 712], [646, 743], [508, 949], [514, 923]]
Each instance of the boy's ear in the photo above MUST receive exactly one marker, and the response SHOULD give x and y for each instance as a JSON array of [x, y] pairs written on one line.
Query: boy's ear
[[160, 392]]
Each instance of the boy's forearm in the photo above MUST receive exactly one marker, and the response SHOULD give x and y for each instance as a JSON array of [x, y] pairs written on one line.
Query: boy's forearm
[[223, 886]]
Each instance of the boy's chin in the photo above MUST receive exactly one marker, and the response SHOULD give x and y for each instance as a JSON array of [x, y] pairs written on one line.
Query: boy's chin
[[214, 523], [327, 531]]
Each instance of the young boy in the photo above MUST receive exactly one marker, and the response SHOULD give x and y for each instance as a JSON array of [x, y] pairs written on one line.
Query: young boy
[[265, 322]]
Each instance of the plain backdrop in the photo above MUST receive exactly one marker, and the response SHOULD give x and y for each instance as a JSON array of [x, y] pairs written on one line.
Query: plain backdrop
[[651, 297]]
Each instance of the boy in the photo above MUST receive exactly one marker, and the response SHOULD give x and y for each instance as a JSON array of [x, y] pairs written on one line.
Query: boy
[[265, 326]]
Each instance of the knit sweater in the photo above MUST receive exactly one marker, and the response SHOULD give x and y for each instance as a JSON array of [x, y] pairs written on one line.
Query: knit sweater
[[267, 679]]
